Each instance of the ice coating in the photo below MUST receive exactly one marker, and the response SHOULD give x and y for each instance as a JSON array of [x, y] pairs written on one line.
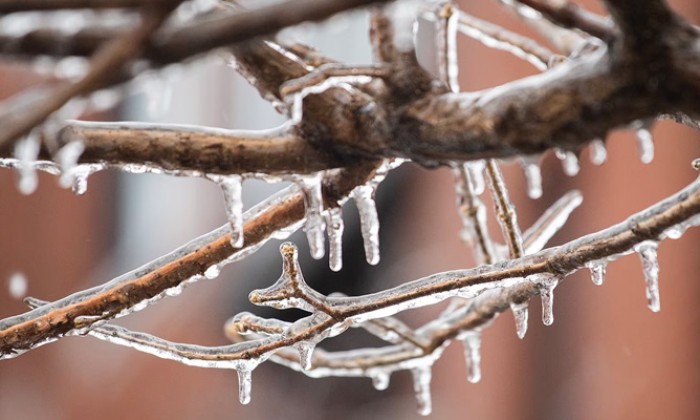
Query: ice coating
[[476, 175], [537, 236], [533, 176], [335, 227], [472, 212], [422, 376], [306, 354], [520, 315], [369, 221], [650, 267]]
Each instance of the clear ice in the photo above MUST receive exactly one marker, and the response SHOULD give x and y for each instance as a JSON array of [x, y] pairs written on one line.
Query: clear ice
[[422, 376], [314, 225], [533, 176], [650, 267], [369, 221], [520, 315], [335, 227], [472, 355]]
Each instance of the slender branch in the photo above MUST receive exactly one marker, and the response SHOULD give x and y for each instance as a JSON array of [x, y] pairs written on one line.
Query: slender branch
[[202, 36], [678, 211], [496, 37], [570, 15], [507, 218], [113, 299]]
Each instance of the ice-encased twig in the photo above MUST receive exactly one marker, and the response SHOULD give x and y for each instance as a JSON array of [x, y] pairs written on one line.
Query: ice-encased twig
[[505, 210]]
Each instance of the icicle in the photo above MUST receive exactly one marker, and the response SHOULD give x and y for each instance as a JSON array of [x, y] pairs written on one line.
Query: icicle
[[476, 175], [421, 385], [245, 383], [472, 354], [369, 221], [597, 271], [520, 314], [232, 189], [334, 227], [547, 283], [533, 176], [569, 161], [650, 266], [645, 141], [380, 380], [26, 152], [599, 154], [314, 225], [306, 353], [67, 158]]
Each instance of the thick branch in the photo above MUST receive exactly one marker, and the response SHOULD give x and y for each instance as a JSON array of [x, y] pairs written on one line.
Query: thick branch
[[194, 148]]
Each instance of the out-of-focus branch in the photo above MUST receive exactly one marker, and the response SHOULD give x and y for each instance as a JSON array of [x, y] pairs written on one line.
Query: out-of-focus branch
[[10, 6], [570, 15], [21, 119]]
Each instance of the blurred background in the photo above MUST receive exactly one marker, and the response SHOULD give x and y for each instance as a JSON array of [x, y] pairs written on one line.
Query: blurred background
[[606, 355]]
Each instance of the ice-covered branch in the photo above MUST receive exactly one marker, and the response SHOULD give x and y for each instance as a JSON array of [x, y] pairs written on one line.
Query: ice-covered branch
[[196, 148], [570, 15], [168, 274]]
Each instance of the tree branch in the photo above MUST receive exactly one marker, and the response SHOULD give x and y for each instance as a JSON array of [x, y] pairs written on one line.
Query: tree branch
[[193, 148]]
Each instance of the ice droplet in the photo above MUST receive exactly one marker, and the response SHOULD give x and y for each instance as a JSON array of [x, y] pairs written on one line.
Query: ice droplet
[[472, 355], [569, 161], [599, 154], [597, 271], [26, 152], [17, 285], [212, 272], [335, 227], [645, 142], [650, 267], [380, 380], [245, 384], [520, 314], [314, 225], [369, 221], [306, 353], [67, 158], [231, 188], [476, 175], [421, 386], [533, 176]]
